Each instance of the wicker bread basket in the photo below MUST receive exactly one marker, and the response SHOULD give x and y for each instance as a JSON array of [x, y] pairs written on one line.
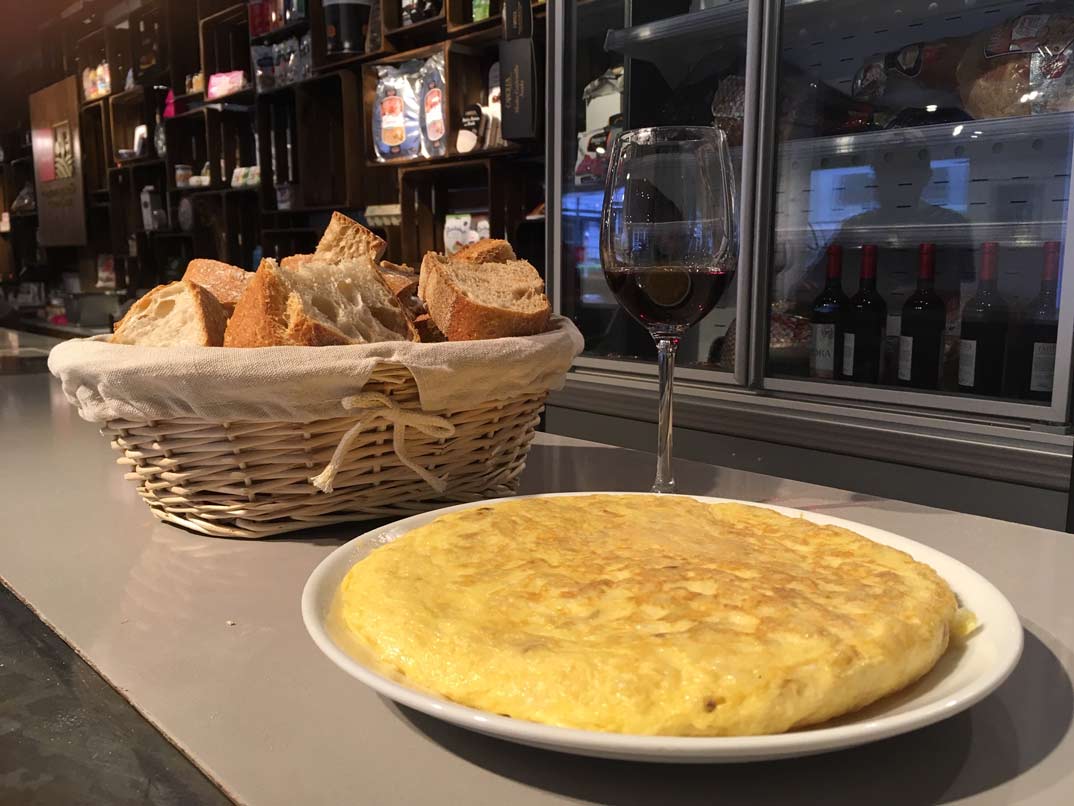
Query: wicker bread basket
[[385, 456]]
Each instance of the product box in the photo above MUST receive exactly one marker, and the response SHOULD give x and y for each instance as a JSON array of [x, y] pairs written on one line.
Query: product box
[[520, 98], [517, 19]]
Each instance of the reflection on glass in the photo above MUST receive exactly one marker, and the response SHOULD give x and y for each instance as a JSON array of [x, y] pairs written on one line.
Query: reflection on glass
[[936, 157]]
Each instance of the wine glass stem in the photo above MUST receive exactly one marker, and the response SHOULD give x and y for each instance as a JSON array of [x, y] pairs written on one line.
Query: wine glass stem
[[665, 352]]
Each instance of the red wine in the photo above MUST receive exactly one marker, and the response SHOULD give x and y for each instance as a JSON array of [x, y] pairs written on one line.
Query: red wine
[[921, 334], [1034, 353], [984, 331], [863, 343], [668, 300], [828, 321]]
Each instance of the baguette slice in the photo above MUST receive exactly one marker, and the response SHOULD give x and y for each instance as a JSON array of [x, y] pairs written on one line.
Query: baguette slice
[[321, 304], [428, 332], [483, 301], [180, 314], [346, 239], [490, 250], [295, 262], [222, 280], [403, 281]]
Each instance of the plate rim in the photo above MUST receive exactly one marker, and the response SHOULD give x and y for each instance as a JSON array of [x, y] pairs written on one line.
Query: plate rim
[[658, 747]]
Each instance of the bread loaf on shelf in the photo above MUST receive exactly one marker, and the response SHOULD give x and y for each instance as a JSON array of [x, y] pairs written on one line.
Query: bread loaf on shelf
[[483, 301], [322, 303], [222, 280], [180, 314]]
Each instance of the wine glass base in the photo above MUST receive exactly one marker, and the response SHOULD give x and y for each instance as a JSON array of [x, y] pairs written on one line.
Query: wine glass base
[[663, 487]]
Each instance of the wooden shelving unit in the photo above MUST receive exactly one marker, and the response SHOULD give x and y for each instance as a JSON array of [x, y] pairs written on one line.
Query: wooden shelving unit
[[313, 138]]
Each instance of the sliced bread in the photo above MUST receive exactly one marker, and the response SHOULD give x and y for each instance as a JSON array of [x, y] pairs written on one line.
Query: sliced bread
[[222, 280], [180, 314], [323, 303], [295, 261], [483, 301], [490, 250], [346, 239]]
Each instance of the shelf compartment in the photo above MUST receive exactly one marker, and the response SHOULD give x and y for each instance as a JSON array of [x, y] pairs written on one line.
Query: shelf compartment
[[460, 16], [110, 45], [465, 73], [410, 36], [225, 44], [501, 189], [129, 109], [96, 131]]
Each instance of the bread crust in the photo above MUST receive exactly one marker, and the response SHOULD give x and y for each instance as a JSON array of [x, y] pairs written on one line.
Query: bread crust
[[295, 262], [461, 318], [222, 280], [346, 238], [269, 316], [490, 250], [211, 314]]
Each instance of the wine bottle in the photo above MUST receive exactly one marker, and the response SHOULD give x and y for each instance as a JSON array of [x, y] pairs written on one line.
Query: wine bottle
[[921, 334], [1035, 352], [863, 343], [829, 321], [983, 341]]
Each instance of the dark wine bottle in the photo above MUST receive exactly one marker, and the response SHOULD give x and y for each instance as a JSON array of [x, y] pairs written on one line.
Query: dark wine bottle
[[863, 342], [921, 333], [983, 341], [829, 321], [1034, 355]]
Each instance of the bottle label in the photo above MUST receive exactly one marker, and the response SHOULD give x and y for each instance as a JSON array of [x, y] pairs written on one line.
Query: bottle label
[[848, 355], [822, 356], [967, 362], [906, 353], [434, 114], [392, 124], [1043, 371]]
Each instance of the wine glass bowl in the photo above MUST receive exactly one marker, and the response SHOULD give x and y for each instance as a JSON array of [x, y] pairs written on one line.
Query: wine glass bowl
[[667, 241]]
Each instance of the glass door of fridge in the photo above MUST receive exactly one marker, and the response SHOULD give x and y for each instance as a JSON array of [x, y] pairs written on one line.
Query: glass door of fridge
[[630, 64], [919, 208]]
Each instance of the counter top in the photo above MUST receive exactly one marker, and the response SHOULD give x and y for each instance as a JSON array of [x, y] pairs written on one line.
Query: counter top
[[205, 638]]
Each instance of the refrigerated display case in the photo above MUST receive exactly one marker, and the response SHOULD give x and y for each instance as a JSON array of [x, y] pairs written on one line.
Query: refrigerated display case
[[933, 138]]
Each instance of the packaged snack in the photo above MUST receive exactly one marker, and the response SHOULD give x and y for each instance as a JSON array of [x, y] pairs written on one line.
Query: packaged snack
[[396, 115], [430, 90]]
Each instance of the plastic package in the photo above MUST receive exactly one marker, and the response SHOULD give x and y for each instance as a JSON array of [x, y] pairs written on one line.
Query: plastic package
[[430, 90], [396, 114]]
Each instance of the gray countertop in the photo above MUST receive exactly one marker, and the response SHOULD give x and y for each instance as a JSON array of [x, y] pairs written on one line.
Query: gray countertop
[[260, 710]]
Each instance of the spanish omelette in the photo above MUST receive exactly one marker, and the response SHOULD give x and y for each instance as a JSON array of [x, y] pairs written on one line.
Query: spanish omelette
[[648, 614]]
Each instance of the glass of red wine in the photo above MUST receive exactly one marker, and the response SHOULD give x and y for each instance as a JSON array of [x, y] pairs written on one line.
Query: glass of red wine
[[667, 242]]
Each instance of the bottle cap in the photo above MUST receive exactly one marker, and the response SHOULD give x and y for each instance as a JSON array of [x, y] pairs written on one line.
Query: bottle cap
[[1051, 260], [835, 261], [926, 266], [989, 259], [868, 261]]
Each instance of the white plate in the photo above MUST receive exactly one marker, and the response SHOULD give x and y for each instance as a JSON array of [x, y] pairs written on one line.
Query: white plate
[[959, 680]]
